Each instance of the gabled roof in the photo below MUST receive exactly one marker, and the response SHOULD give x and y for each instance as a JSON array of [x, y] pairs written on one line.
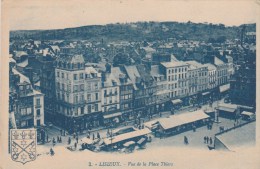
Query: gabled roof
[[23, 78], [71, 58]]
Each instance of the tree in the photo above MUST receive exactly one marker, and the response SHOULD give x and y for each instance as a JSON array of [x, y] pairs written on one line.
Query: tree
[[121, 58]]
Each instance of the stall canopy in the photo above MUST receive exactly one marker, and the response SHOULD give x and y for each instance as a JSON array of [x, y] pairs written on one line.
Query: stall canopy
[[249, 114], [112, 115], [126, 136], [129, 143], [87, 140], [227, 107], [181, 119], [176, 101], [224, 88]]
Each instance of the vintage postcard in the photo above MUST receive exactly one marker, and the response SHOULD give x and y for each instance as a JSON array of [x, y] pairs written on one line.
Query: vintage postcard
[[129, 84]]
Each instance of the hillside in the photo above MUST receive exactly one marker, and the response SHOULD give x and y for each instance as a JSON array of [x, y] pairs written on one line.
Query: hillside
[[139, 31]]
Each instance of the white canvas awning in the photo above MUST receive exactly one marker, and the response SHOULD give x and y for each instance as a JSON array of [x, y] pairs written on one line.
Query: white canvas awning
[[176, 101], [205, 93], [181, 119], [112, 115], [224, 88], [246, 113]]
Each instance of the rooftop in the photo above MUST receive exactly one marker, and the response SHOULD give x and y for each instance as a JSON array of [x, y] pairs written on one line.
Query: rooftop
[[174, 64]]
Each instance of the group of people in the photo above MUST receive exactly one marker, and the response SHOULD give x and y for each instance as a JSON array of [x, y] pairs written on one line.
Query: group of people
[[208, 140]]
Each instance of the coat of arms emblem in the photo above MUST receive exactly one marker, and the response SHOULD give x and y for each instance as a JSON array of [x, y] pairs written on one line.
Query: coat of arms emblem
[[23, 145]]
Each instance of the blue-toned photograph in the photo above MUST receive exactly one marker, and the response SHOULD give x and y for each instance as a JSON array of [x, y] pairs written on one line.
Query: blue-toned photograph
[[130, 86]]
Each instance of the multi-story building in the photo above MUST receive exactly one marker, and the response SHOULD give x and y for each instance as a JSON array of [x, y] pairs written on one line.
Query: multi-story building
[[144, 93], [162, 91], [110, 99], [92, 97], [126, 92], [212, 76], [202, 75], [70, 91], [26, 104], [176, 73], [222, 71], [47, 87]]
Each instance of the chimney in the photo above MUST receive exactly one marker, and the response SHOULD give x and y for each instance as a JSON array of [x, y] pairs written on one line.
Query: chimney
[[108, 68]]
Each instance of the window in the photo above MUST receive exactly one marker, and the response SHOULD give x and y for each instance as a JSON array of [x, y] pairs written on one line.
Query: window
[[29, 110], [81, 76], [110, 99], [75, 77], [105, 92], [58, 74], [23, 111], [89, 108], [76, 111], [96, 85], [62, 87], [82, 98], [96, 96], [27, 86], [62, 75], [76, 99], [82, 87], [38, 112], [23, 123], [105, 100], [75, 88], [96, 107], [89, 97], [38, 102], [82, 110]]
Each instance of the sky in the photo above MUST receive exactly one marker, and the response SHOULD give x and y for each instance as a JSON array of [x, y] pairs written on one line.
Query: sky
[[29, 15]]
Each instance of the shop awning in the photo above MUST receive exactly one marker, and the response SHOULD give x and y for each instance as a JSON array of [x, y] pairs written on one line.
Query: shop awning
[[224, 88], [176, 101], [112, 115], [205, 93]]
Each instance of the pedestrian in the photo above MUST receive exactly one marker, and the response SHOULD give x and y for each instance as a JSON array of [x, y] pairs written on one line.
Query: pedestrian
[[75, 145], [74, 135], [210, 140], [93, 136], [61, 132], [53, 141], [98, 135], [77, 139], [47, 138], [205, 139], [51, 152], [60, 140], [69, 140]]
